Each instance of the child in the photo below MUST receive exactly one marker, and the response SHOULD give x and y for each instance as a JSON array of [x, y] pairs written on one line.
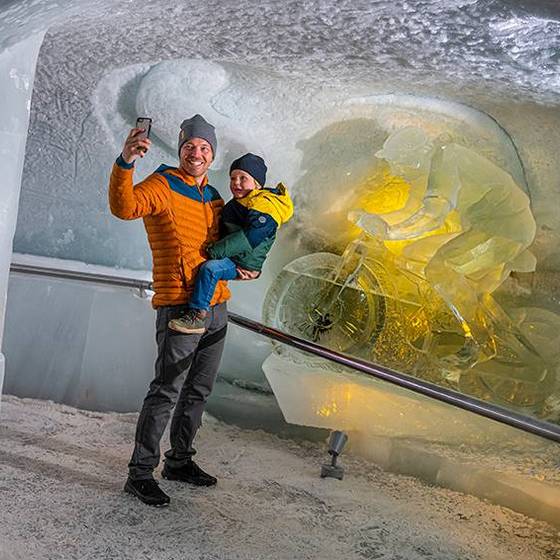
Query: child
[[249, 222]]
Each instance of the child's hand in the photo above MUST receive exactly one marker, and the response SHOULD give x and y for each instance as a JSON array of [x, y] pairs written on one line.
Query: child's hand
[[243, 274]]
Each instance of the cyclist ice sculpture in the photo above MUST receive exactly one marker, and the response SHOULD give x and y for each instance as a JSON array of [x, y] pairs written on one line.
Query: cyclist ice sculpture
[[413, 290]]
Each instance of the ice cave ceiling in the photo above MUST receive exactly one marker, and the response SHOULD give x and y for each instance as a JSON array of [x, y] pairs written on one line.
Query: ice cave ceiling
[[467, 47]]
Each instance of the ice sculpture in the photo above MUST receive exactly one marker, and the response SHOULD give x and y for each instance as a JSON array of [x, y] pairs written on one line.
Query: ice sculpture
[[413, 290], [496, 227]]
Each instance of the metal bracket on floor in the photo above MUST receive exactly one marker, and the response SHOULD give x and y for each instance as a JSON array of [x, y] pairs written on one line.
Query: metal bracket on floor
[[337, 442]]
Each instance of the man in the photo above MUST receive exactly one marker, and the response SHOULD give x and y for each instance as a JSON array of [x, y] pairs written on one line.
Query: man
[[181, 213]]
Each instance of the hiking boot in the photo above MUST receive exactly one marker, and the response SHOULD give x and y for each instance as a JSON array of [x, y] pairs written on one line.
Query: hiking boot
[[148, 491], [192, 322], [190, 473]]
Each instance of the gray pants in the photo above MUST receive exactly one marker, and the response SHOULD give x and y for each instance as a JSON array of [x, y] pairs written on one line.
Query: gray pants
[[186, 367]]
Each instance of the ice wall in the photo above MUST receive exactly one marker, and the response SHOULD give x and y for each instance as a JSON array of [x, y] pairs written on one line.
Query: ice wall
[[92, 345], [17, 69], [22, 27]]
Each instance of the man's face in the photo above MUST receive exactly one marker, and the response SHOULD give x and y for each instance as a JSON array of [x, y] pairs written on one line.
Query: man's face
[[241, 183], [195, 157]]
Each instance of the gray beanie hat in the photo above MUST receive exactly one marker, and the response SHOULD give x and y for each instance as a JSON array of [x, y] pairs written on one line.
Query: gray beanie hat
[[197, 127]]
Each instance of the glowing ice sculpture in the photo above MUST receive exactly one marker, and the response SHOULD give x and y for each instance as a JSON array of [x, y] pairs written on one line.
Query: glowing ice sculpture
[[496, 227], [413, 290]]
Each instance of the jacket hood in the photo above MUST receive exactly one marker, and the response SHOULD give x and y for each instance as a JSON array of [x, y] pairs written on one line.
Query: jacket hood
[[275, 202]]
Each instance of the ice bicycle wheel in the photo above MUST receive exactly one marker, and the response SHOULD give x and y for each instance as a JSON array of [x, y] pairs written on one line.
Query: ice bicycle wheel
[[305, 300]]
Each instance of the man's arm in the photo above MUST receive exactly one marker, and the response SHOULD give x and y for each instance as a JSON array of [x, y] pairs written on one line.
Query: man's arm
[[149, 197]]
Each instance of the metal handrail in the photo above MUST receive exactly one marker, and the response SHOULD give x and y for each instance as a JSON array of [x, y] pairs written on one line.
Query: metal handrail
[[494, 412], [489, 410], [94, 277]]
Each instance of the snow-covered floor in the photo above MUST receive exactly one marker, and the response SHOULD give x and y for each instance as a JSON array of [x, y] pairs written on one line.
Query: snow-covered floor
[[62, 472]]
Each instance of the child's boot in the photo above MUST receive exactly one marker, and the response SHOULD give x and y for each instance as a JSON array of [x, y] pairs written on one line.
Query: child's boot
[[193, 322]]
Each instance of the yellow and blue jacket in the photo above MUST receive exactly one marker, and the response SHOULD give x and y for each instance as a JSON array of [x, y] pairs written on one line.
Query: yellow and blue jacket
[[181, 220], [249, 226]]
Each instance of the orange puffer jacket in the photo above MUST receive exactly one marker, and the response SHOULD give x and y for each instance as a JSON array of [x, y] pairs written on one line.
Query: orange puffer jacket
[[181, 219]]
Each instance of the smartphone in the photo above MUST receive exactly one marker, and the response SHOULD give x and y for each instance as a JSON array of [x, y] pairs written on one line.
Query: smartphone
[[146, 124]]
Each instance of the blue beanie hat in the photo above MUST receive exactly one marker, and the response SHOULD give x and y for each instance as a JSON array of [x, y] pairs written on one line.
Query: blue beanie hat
[[197, 127], [252, 164]]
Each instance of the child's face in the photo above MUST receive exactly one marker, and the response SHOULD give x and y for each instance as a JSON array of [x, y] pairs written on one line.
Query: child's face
[[241, 183]]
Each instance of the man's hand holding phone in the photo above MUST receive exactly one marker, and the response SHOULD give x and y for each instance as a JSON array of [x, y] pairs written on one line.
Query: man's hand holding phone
[[137, 143]]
